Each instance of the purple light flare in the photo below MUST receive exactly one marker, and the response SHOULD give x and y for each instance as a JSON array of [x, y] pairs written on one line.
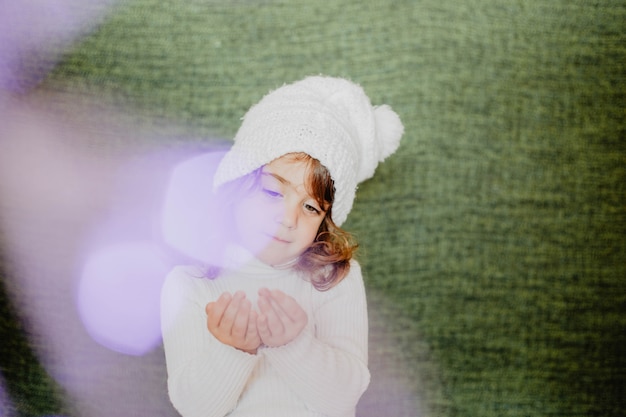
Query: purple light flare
[[35, 34], [191, 223]]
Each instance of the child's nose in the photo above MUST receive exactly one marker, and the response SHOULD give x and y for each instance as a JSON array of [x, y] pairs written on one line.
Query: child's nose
[[289, 215]]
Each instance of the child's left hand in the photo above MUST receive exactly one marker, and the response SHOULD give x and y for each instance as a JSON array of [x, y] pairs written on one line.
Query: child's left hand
[[232, 321], [281, 318]]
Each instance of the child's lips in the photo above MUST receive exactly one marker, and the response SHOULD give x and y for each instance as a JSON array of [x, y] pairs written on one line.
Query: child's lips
[[278, 239]]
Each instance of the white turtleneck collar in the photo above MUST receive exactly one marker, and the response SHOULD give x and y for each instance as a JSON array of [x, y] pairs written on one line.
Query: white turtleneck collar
[[237, 258]]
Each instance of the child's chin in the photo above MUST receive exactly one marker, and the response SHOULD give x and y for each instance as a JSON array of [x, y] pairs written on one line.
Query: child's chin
[[274, 257], [271, 260]]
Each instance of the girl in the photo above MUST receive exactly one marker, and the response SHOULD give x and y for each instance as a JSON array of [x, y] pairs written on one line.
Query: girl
[[280, 328]]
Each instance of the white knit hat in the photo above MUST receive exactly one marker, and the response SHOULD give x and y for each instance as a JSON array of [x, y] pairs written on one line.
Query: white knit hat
[[330, 119]]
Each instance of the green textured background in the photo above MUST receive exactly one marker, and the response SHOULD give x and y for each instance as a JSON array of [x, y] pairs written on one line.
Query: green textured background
[[492, 241]]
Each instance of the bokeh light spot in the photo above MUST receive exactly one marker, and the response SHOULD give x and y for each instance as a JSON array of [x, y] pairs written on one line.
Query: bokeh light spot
[[191, 222], [118, 296]]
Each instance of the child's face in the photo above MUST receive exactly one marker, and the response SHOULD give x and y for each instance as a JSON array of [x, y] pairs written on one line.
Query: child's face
[[279, 219]]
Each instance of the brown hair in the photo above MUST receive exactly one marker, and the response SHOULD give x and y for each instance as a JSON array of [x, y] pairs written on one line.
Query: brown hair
[[328, 258]]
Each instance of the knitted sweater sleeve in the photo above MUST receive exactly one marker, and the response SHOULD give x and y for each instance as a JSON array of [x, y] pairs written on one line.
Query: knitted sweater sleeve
[[205, 377], [326, 365]]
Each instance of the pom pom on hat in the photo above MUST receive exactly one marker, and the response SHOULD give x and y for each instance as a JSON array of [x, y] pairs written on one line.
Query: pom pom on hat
[[389, 130], [331, 119]]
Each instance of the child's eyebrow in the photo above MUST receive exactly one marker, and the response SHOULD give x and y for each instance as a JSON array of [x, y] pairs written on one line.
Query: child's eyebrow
[[278, 177], [289, 184]]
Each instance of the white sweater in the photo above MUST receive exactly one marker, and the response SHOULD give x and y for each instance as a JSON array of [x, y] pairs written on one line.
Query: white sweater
[[322, 372]]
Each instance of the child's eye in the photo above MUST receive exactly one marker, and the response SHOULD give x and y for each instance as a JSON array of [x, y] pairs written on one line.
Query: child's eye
[[312, 209], [271, 193]]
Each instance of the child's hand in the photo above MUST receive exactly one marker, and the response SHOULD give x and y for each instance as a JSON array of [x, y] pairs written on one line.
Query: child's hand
[[233, 322], [281, 318]]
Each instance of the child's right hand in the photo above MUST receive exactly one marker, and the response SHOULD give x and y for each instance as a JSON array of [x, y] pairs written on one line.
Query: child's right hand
[[233, 322], [281, 319]]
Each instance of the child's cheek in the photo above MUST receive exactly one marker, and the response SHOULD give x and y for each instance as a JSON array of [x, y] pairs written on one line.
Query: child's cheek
[[254, 222]]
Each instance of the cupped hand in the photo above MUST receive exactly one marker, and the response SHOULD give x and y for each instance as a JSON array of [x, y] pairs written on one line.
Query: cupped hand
[[232, 321], [281, 318]]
